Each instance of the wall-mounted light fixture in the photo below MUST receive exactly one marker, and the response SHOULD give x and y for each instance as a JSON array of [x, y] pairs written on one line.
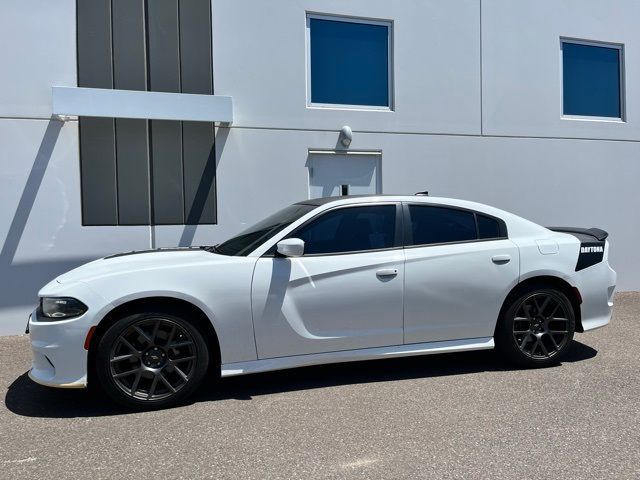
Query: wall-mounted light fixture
[[346, 135]]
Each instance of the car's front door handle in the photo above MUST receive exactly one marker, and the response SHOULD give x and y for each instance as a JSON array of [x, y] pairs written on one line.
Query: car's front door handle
[[387, 272], [501, 259]]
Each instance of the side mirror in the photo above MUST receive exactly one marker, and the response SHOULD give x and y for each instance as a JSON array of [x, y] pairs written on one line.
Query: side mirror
[[290, 247]]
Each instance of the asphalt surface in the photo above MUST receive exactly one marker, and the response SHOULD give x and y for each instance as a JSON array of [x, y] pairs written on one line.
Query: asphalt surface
[[461, 416]]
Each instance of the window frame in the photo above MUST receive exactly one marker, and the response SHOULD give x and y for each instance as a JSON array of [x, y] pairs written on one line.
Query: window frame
[[408, 233], [621, 74], [348, 19], [397, 240]]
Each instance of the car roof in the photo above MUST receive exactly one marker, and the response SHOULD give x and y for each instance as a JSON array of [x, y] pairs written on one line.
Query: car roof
[[324, 200], [422, 198]]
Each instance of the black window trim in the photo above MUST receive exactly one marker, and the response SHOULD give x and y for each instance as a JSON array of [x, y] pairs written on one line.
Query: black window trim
[[408, 234], [398, 240]]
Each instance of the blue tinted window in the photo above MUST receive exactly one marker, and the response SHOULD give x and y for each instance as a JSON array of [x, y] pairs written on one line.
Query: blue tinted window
[[591, 80], [349, 63]]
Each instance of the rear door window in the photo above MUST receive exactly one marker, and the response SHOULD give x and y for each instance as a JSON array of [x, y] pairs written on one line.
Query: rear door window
[[430, 225]]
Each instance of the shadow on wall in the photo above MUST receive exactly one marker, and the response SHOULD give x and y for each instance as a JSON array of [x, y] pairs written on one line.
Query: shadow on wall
[[29, 399], [208, 176], [20, 282]]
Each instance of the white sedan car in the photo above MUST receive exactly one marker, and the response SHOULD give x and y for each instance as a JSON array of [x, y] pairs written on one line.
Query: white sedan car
[[322, 281]]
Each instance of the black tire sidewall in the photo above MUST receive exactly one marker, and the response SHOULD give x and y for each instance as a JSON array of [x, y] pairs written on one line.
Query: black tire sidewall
[[506, 343], [103, 367]]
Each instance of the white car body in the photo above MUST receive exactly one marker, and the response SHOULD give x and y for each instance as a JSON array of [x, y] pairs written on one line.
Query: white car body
[[272, 313]]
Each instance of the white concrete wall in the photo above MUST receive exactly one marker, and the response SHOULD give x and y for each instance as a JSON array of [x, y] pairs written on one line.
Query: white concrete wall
[[453, 130], [38, 39], [260, 51], [521, 76]]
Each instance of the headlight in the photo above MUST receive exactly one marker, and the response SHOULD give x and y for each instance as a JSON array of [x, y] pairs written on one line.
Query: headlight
[[61, 308]]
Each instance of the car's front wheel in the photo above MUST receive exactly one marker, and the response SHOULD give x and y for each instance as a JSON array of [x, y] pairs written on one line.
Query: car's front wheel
[[536, 328], [151, 360]]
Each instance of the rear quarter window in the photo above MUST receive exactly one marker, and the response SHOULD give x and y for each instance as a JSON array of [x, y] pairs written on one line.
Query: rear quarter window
[[488, 227]]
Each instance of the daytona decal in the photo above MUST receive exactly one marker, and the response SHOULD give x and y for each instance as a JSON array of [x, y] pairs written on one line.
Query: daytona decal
[[590, 254], [596, 249]]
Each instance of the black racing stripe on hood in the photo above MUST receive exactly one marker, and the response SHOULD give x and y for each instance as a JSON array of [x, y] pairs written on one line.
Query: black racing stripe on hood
[[155, 250]]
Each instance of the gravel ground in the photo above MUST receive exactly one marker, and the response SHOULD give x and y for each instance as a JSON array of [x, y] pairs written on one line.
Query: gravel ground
[[446, 416]]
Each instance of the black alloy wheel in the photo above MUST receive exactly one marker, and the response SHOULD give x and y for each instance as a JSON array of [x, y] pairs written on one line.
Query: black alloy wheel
[[151, 360], [537, 328]]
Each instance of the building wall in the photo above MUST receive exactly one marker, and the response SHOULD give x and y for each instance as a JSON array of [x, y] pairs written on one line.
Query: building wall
[[476, 115]]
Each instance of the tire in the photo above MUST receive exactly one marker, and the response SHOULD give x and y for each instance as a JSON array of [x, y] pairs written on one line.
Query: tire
[[537, 328], [151, 360]]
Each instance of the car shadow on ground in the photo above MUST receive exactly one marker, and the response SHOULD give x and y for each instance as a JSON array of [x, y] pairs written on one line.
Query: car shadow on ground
[[27, 398]]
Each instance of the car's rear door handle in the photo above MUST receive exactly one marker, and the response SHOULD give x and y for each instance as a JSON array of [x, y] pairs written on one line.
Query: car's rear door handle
[[387, 272], [501, 259]]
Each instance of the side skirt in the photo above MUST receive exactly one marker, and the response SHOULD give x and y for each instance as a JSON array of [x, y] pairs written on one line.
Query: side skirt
[[281, 363]]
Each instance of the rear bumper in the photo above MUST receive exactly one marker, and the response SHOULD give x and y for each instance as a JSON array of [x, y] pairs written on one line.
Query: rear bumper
[[597, 286]]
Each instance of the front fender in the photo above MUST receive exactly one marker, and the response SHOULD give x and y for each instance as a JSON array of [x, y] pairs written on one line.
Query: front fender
[[227, 304]]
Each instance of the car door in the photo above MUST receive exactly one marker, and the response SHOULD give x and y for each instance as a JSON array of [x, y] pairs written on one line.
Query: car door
[[344, 293], [459, 267]]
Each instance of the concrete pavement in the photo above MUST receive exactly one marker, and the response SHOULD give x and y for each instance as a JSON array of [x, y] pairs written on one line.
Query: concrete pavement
[[445, 416]]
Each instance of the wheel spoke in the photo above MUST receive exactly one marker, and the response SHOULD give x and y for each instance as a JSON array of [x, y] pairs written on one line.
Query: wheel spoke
[[181, 344], [545, 303], [181, 373], [126, 343], [156, 327], [124, 357], [171, 335], [152, 388], [134, 386], [124, 374], [524, 341], [535, 303], [555, 344], [183, 359], [543, 347], [143, 335], [553, 312], [166, 382]]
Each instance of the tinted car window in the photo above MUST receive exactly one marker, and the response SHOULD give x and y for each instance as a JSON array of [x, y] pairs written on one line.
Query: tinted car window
[[440, 225], [488, 227], [350, 229]]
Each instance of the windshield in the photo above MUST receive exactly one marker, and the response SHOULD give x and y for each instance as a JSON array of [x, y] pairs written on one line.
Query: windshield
[[254, 236]]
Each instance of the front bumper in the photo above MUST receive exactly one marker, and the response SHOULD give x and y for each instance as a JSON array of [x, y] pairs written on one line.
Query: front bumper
[[59, 357]]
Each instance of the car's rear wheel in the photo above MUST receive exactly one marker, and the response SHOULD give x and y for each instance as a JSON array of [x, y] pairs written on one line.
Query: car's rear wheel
[[537, 328], [151, 360]]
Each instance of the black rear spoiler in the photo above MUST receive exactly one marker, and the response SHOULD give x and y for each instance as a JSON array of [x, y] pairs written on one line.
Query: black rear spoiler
[[596, 233]]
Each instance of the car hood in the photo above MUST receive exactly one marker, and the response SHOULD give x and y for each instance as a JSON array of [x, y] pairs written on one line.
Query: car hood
[[158, 259]]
